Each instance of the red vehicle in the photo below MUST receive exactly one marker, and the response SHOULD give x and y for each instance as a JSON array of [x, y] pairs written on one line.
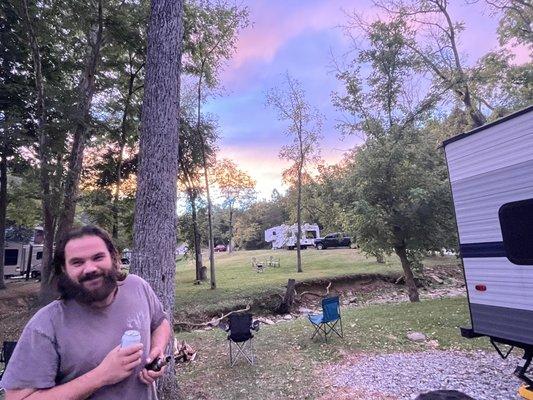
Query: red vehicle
[[220, 247]]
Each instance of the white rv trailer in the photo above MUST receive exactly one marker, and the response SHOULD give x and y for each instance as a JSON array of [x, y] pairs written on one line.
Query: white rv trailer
[[491, 177], [284, 236], [16, 259]]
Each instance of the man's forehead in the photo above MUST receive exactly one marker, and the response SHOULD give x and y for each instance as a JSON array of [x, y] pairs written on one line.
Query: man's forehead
[[84, 246]]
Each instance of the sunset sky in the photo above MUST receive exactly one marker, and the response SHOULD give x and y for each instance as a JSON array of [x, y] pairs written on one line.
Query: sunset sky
[[299, 37]]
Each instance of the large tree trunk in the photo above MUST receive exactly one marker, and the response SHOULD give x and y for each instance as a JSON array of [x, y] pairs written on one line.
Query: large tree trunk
[[155, 222], [408, 273], [85, 96], [3, 207], [197, 241]]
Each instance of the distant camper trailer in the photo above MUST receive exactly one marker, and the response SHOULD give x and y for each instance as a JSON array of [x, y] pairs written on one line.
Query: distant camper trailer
[[16, 259], [284, 236], [491, 176]]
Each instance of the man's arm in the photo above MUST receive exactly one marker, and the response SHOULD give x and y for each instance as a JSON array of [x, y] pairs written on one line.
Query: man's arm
[[116, 366], [160, 339], [77, 389]]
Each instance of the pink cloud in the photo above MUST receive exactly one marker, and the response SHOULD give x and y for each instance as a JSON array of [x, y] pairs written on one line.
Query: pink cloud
[[274, 24], [265, 166]]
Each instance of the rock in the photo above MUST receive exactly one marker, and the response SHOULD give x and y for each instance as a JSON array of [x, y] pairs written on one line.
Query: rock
[[437, 279], [416, 336], [265, 320], [433, 344], [303, 310], [287, 317]]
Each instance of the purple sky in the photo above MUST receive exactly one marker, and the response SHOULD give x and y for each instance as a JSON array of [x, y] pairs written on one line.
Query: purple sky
[[299, 36]]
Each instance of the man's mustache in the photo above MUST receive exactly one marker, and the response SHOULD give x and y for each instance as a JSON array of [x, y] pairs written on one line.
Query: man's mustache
[[91, 276]]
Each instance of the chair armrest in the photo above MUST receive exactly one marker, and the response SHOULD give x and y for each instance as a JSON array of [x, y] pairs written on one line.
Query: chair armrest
[[255, 326], [224, 326]]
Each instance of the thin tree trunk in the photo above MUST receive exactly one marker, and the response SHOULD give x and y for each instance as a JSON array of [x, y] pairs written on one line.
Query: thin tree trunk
[[207, 193], [408, 273], [3, 207], [122, 145], [155, 219], [116, 196], [85, 95], [197, 241], [230, 242]]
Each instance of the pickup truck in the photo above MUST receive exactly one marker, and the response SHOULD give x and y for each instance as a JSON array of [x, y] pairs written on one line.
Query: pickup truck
[[333, 240]]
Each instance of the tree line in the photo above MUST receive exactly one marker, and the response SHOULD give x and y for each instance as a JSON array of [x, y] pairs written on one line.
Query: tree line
[[73, 79]]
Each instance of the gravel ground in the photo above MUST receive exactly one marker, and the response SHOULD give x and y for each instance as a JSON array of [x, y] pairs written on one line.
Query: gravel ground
[[483, 376]]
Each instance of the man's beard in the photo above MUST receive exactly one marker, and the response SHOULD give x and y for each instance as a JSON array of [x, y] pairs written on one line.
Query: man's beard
[[74, 290]]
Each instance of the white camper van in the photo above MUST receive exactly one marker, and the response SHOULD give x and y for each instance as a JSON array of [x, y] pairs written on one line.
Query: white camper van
[[284, 236], [491, 176], [16, 259]]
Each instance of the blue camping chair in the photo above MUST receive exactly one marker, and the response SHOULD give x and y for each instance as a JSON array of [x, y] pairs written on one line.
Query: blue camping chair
[[326, 322]]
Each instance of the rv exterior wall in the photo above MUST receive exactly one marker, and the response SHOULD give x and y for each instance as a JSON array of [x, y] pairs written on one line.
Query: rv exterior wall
[[488, 169]]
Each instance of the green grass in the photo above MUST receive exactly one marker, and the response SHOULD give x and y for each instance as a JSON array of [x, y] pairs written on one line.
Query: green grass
[[289, 362], [238, 284]]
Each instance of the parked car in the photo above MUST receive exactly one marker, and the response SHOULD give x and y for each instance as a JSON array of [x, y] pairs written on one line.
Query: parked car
[[336, 239], [220, 247]]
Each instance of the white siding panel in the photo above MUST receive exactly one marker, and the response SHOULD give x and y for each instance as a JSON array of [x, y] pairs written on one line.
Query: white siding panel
[[478, 199], [496, 147], [508, 285]]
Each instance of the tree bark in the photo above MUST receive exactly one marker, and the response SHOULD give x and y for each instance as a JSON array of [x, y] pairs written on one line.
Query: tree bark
[[47, 291], [155, 220], [3, 208], [408, 273], [286, 304], [206, 179], [197, 241], [122, 145], [86, 91], [230, 241]]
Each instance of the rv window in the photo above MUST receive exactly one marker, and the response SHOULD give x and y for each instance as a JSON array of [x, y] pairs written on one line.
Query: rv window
[[310, 234], [516, 221], [11, 257], [39, 255], [273, 233]]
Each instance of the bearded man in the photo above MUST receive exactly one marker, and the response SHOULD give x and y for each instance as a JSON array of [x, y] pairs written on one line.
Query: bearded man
[[71, 349]]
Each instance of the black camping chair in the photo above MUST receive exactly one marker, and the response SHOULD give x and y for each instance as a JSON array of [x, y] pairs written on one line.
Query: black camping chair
[[240, 337], [7, 351]]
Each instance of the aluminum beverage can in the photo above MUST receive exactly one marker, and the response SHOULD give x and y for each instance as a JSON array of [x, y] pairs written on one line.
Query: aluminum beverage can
[[129, 338]]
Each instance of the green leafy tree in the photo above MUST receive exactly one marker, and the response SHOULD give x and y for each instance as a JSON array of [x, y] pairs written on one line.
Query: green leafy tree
[[398, 183], [431, 38], [190, 175], [210, 33], [237, 189], [305, 130], [15, 116]]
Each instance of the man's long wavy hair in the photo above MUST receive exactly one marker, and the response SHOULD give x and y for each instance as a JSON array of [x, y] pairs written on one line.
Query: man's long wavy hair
[[59, 256]]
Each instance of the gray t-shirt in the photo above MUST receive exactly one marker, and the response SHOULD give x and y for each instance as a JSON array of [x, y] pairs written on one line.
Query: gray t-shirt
[[66, 339]]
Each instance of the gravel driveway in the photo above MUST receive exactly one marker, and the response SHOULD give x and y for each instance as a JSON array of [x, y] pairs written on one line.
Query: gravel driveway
[[481, 375]]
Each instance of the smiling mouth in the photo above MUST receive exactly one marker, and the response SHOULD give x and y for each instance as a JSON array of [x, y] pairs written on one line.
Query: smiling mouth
[[93, 281]]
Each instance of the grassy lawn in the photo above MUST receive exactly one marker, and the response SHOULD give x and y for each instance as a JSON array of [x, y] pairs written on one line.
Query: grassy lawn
[[289, 362], [238, 283]]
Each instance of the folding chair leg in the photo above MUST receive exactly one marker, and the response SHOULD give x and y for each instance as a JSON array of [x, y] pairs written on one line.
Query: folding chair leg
[[241, 351]]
